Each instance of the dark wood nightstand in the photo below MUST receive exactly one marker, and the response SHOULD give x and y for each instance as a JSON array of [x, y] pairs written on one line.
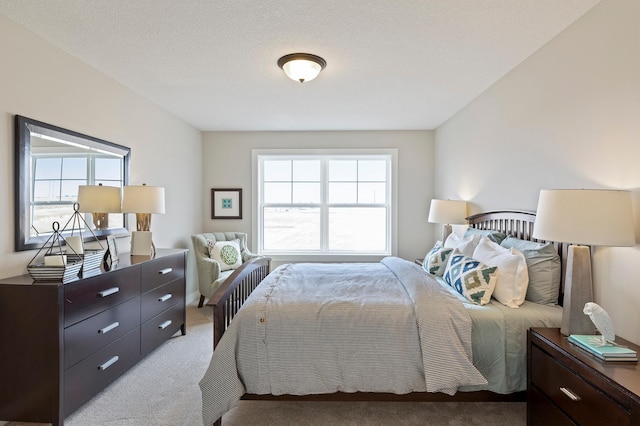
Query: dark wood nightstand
[[567, 386]]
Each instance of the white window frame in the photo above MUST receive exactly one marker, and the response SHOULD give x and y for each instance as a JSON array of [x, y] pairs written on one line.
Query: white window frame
[[392, 225]]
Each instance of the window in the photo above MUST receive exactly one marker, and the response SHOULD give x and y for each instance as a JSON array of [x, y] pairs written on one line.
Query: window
[[325, 203]]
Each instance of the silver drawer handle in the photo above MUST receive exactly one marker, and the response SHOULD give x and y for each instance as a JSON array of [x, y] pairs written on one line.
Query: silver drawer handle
[[572, 396], [165, 297], [164, 325], [165, 271], [109, 291], [109, 363], [109, 327]]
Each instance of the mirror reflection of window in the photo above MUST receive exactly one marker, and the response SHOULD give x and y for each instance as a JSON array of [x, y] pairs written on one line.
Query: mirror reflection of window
[[58, 170]]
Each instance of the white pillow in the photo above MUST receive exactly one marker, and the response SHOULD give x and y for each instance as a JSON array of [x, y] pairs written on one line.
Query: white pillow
[[226, 253], [513, 276], [465, 245]]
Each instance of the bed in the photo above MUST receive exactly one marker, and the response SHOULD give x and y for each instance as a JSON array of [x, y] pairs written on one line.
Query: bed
[[382, 331]]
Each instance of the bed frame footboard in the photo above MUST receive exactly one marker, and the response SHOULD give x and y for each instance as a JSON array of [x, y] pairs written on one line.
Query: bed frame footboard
[[228, 299]]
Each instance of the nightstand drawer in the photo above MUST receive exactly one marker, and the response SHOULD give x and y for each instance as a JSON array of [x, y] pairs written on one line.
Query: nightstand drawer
[[584, 403], [546, 413], [88, 336]]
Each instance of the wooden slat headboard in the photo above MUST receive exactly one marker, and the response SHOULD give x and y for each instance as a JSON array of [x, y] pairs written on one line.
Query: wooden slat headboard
[[517, 224]]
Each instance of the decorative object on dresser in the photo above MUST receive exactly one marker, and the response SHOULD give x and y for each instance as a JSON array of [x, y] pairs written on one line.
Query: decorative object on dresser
[[90, 258], [54, 265], [143, 200], [448, 212], [568, 386], [583, 216], [111, 256], [64, 343]]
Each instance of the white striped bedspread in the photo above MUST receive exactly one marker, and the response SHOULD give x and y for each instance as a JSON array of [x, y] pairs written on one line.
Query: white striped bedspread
[[356, 327]]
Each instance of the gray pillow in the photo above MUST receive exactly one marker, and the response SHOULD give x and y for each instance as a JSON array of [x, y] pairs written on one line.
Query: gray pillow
[[545, 270], [495, 236]]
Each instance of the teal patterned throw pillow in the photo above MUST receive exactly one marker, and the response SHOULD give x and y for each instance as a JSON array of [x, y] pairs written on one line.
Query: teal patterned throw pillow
[[226, 253], [435, 262], [471, 278]]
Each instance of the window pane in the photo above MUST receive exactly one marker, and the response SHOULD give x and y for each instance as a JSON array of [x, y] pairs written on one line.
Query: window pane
[[46, 215], [306, 193], [277, 193], [46, 190], [277, 170], [47, 168], [361, 229], [69, 191], [291, 229], [343, 170], [372, 170], [306, 170], [340, 193], [108, 169], [372, 193], [74, 168]]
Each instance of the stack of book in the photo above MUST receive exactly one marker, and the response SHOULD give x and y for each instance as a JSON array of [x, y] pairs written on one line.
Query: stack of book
[[608, 352]]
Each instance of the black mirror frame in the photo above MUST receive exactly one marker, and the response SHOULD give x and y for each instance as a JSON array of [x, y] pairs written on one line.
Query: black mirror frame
[[22, 166]]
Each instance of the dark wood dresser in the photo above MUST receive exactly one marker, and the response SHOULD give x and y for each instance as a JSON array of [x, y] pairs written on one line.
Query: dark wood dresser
[[568, 386], [61, 344]]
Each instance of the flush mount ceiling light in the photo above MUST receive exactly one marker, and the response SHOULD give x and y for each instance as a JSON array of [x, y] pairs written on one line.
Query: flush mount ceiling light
[[301, 66]]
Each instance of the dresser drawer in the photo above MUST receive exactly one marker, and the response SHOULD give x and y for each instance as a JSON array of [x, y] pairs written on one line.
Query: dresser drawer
[[85, 298], [88, 336], [160, 328], [162, 298], [161, 271], [590, 407], [91, 375]]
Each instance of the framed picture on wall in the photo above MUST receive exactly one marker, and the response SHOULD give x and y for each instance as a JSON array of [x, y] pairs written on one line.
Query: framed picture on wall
[[226, 203]]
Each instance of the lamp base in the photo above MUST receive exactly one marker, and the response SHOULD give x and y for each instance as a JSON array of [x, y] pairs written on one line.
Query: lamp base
[[578, 290], [446, 231], [100, 220], [142, 244]]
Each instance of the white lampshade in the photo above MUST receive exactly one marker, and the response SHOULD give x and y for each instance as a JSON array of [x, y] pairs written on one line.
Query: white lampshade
[[585, 216], [301, 67], [452, 212], [143, 199], [98, 199]]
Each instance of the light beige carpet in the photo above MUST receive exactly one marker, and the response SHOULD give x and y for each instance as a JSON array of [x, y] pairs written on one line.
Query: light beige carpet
[[162, 390]]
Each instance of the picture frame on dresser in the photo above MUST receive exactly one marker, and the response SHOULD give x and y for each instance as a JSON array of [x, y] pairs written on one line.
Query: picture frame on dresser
[[111, 255]]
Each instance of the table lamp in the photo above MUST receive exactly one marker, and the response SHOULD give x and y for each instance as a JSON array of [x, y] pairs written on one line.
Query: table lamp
[[143, 200], [582, 218], [99, 201], [448, 212]]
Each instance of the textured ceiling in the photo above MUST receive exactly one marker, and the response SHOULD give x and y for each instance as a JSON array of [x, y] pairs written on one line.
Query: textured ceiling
[[391, 64]]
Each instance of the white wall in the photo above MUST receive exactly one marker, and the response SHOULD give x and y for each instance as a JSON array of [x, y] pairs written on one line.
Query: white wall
[[39, 81], [567, 117], [227, 157]]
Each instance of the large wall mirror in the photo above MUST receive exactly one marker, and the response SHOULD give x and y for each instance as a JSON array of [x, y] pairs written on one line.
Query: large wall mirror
[[50, 165]]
